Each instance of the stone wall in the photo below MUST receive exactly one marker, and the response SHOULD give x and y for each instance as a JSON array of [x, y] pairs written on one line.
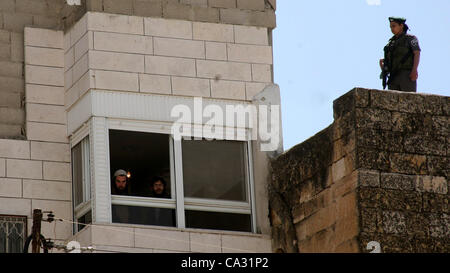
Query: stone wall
[[239, 12], [378, 173], [55, 14], [36, 173]]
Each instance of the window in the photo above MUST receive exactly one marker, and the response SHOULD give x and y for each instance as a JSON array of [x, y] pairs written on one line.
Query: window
[[216, 185], [143, 159], [12, 233], [81, 177], [207, 183]]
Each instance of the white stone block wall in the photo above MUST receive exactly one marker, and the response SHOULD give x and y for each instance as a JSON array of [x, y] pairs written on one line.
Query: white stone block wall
[[36, 173], [165, 56], [141, 239]]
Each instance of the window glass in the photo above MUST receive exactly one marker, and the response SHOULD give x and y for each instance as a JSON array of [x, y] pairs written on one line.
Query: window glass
[[77, 174], [84, 220], [218, 220], [143, 215], [214, 169], [145, 158]]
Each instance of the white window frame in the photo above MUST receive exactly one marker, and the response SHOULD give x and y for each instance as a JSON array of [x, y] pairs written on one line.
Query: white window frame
[[178, 201], [82, 137]]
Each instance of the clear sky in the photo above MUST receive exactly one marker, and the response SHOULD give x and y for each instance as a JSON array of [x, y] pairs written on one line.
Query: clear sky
[[324, 48]]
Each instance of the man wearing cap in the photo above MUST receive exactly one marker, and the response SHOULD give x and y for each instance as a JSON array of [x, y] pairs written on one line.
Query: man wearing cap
[[120, 186], [120, 214], [401, 57]]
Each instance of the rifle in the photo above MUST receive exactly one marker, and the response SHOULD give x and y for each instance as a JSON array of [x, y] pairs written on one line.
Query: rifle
[[384, 75]]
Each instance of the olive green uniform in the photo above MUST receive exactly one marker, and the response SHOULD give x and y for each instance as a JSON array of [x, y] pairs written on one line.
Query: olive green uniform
[[399, 57]]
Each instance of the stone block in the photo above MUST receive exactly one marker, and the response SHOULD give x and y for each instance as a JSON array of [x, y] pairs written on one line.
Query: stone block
[[431, 184], [11, 84], [115, 23], [47, 132], [205, 243], [113, 236], [248, 17], [44, 38], [44, 75], [191, 87], [116, 61], [5, 51], [124, 43], [262, 73], [408, 163], [394, 222], [398, 181], [44, 94], [251, 89], [39, 189], [17, 21], [10, 148], [2, 167], [349, 246], [80, 68], [24, 169], [213, 32], [83, 45], [50, 151], [224, 70], [400, 200], [168, 240], [168, 28], [12, 115], [17, 47], [373, 159], [419, 104], [5, 36], [46, 113], [251, 4], [179, 48], [11, 131], [373, 118], [7, 6], [245, 244], [79, 30], [69, 59], [10, 100], [155, 84], [384, 100], [234, 90], [10, 187], [169, 66], [68, 79], [371, 220], [251, 35], [118, 6], [216, 51], [420, 144], [11, 69], [176, 10], [57, 171], [222, 4], [15, 206], [112, 80], [146, 8], [250, 53]]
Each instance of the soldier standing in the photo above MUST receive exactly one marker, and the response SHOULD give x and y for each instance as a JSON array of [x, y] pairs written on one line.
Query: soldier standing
[[401, 58]]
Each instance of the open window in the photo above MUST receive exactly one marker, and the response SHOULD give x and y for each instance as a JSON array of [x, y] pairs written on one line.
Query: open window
[[81, 177], [145, 159], [207, 183]]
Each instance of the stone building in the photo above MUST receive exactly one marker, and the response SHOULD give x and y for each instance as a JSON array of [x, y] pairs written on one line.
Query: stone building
[[378, 176], [88, 89]]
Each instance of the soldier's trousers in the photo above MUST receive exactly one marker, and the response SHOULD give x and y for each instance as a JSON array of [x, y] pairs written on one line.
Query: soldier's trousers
[[402, 82]]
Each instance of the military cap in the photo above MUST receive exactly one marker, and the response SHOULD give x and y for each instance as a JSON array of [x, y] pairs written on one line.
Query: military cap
[[399, 20]]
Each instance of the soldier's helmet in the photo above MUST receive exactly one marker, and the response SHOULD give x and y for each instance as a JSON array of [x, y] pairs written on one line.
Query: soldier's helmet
[[399, 20]]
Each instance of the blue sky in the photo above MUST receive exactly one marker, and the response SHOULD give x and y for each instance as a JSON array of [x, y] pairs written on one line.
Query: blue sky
[[324, 48]]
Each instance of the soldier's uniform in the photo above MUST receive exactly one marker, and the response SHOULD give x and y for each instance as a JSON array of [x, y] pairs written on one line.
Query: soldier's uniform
[[399, 58]]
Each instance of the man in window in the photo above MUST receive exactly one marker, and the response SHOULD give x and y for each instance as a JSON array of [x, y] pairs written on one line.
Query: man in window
[[120, 214], [120, 185], [158, 188]]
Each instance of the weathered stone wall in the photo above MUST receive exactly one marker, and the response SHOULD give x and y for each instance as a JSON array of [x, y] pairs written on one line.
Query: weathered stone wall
[[239, 12], [378, 173]]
